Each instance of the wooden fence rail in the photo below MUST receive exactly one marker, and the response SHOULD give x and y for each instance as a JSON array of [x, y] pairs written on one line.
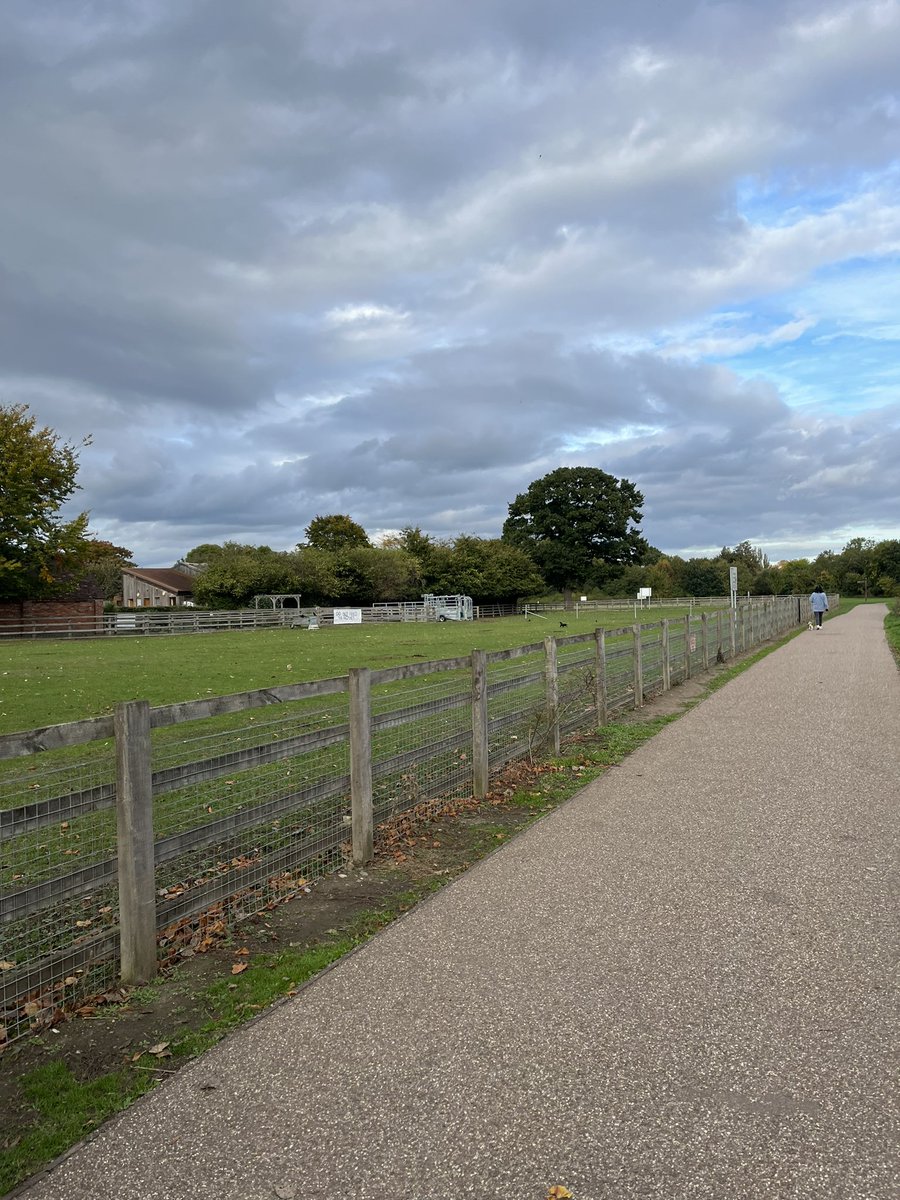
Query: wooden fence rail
[[490, 707]]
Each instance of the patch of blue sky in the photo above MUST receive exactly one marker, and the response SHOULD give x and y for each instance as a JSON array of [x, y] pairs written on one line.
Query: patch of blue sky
[[842, 356], [826, 368], [860, 295], [782, 197]]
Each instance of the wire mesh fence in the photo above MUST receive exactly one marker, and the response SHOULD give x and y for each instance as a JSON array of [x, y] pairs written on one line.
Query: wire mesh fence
[[576, 698], [58, 893], [246, 814], [251, 797], [421, 742], [517, 718]]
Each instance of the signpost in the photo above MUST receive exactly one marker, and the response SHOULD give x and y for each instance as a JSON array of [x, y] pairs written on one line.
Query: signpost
[[732, 574]]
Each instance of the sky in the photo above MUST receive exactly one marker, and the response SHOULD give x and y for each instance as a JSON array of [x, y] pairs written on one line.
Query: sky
[[399, 258]]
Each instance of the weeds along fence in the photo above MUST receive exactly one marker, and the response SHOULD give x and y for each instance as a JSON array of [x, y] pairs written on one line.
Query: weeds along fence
[[132, 839]]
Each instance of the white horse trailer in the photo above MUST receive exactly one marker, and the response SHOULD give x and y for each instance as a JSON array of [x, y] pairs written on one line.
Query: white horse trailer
[[448, 608]]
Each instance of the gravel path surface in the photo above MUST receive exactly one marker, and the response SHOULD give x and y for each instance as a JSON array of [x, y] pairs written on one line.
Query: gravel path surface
[[681, 984]]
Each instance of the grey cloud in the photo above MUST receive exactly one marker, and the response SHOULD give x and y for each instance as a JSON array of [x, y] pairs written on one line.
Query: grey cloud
[[192, 186]]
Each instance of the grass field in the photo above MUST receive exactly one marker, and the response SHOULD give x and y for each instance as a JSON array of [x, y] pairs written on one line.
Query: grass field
[[49, 682]]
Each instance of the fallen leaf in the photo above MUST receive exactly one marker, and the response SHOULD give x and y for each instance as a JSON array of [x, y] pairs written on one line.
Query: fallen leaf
[[243, 951], [83, 924], [6, 966], [285, 1191], [70, 980], [161, 1049], [558, 1192], [238, 967]]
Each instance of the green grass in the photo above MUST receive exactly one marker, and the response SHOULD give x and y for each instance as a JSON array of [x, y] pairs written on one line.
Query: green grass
[[66, 1109], [50, 682], [892, 628]]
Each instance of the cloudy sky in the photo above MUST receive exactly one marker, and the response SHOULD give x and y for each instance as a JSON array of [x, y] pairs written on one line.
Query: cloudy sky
[[398, 258]]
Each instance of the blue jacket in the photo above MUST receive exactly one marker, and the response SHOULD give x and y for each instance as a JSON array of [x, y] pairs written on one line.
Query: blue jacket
[[818, 602]]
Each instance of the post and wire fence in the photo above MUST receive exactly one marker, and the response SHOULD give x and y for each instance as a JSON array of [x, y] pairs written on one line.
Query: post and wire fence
[[133, 840]]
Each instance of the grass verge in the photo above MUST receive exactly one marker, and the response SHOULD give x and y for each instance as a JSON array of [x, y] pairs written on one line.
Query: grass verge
[[892, 629]]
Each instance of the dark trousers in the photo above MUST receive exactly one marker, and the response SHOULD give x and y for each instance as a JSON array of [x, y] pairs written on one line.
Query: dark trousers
[[818, 617]]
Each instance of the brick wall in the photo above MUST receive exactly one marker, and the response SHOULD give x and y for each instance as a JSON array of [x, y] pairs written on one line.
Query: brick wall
[[52, 614]]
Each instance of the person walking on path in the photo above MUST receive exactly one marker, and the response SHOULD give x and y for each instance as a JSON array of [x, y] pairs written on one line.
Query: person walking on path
[[818, 602]]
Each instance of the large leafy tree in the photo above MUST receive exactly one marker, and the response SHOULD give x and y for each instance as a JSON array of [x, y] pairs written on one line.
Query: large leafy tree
[[411, 539], [40, 552], [886, 556], [334, 533], [747, 554], [704, 577], [576, 523], [241, 572], [369, 576], [102, 566], [204, 553], [487, 569]]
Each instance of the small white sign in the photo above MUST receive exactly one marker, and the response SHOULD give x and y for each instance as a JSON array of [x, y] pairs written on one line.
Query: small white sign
[[644, 593], [732, 573], [348, 616]]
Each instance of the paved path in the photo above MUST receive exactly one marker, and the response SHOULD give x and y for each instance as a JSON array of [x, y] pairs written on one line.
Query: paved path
[[679, 985]]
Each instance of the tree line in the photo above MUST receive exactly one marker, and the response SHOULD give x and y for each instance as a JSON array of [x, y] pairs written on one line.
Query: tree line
[[576, 528]]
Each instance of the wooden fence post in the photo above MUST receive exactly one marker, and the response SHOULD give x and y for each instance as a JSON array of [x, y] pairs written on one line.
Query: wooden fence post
[[480, 748], [687, 645], [361, 814], [134, 838], [638, 667], [704, 626], [664, 648], [551, 678], [602, 700]]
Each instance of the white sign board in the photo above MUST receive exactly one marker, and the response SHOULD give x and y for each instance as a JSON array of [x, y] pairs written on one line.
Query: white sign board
[[348, 616], [644, 593], [732, 574]]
